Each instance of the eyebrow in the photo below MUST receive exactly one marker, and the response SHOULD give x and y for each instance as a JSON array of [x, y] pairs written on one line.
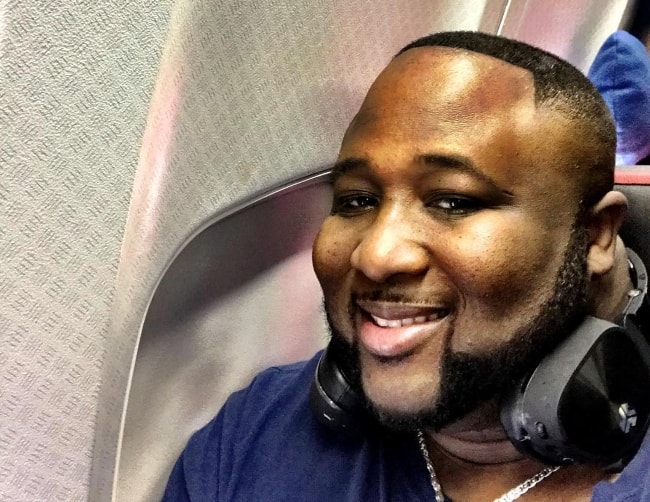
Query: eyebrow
[[456, 163], [439, 161], [343, 166]]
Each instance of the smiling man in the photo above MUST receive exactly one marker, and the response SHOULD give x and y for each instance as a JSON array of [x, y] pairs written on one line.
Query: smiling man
[[473, 227]]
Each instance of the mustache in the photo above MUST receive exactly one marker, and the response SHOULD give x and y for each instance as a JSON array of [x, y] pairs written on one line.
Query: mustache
[[382, 296], [386, 296]]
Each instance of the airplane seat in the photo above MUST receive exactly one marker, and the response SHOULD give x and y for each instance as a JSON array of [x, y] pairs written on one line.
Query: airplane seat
[[621, 73], [240, 293]]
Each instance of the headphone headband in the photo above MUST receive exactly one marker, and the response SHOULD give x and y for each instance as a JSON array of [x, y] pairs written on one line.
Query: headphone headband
[[637, 308]]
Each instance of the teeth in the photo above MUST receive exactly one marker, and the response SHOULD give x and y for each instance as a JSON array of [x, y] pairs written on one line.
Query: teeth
[[398, 323]]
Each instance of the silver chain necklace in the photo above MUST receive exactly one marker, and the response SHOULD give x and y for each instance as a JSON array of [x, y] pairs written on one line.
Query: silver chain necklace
[[513, 494]]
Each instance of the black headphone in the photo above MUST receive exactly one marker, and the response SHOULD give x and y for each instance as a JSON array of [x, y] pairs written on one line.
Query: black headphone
[[587, 401]]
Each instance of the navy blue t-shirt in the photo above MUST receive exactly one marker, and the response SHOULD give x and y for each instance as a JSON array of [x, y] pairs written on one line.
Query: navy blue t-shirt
[[265, 445]]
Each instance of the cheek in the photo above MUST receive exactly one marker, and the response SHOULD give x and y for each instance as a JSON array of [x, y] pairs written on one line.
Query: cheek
[[501, 261], [504, 275], [331, 255], [331, 261]]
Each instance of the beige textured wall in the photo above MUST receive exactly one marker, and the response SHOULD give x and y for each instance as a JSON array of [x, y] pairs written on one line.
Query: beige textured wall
[[75, 85]]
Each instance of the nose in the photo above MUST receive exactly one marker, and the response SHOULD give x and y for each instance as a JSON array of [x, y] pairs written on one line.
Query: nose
[[389, 247]]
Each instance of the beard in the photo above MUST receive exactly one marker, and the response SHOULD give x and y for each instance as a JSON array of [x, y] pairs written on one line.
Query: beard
[[468, 380]]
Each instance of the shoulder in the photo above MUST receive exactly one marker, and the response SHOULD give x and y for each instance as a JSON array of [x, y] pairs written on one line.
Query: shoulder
[[276, 396], [277, 388], [266, 444], [633, 484], [267, 416]]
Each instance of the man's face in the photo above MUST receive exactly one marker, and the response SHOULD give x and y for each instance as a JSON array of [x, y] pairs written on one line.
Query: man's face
[[450, 225]]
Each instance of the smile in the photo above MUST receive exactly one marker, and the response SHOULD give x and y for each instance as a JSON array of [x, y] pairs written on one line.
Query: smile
[[394, 329], [407, 321]]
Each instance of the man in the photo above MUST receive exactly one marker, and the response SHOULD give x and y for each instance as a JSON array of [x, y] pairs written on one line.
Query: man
[[473, 226]]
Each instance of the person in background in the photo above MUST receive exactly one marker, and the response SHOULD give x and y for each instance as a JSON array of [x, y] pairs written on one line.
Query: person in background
[[621, 73]]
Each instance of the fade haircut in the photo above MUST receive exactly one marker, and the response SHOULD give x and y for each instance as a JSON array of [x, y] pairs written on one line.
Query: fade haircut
[[558, 86]]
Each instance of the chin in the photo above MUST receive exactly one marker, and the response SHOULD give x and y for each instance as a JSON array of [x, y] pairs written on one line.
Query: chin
[[402, 419], [401, 407]]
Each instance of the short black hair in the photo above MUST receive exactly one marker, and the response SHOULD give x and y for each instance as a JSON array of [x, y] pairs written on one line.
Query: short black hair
[[559, 86]]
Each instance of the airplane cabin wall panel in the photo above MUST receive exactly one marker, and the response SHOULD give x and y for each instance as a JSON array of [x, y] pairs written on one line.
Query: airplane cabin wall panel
[[75, 86]]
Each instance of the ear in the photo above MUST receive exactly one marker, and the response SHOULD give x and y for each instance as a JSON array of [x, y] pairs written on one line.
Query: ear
[[604, 221]]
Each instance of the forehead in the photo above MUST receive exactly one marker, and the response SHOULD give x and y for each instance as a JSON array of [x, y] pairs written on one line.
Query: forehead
[[450, 72], [456, 102], [441, 85]]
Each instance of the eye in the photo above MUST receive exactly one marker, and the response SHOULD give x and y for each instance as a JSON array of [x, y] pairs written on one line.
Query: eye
[[456, 205], [352, 204]]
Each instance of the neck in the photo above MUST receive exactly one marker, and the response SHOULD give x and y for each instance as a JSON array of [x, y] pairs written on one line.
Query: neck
[[478, 438], [474, 461]]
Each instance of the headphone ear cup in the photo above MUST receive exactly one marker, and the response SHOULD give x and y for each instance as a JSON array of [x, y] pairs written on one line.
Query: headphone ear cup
[[587, 401], [333, 401]]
